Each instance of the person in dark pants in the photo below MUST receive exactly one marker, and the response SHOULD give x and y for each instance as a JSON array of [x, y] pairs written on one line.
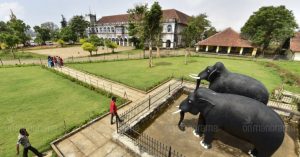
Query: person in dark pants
[[24, 141], [113, 110]]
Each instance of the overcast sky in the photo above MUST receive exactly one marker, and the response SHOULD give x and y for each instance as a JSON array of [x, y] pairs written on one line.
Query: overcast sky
[[222, 13]]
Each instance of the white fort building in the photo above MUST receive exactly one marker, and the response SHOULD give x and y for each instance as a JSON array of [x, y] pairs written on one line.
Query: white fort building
[[114, 28]]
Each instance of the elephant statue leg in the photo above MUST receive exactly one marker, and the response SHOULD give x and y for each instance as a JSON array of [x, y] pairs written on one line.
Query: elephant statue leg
[[200, 126], [253, 152], [209, 132]]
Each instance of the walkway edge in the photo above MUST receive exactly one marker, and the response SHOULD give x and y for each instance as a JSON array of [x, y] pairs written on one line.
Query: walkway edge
[[53, 144]]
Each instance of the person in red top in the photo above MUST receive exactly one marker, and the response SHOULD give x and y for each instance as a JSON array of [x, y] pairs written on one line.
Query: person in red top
[[113, 110]]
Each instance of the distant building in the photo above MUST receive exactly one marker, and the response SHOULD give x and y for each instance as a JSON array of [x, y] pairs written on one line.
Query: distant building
[[295, 46], [227, 41], [115, 28]]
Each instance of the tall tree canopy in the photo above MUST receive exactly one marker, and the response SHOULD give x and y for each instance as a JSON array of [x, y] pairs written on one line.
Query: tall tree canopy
[[269, 25], [53, 29], [67, 34], [136, 28], [43, 34], [79, 25]]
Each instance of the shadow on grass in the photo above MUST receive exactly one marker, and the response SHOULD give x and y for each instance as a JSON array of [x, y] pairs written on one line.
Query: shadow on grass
[[163, 64]]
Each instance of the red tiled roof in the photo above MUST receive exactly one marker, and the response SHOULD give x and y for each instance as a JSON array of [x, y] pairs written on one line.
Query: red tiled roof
[[228, 38], [295, 43], [167, 14]]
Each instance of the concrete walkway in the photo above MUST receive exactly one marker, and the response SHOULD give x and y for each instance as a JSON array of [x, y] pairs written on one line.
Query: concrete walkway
[[96, 139]]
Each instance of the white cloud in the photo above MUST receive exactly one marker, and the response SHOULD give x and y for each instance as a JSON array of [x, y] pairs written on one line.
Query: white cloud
[[5, 8]]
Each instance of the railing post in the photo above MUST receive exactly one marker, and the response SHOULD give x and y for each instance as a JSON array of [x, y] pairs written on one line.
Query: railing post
[[41, 61], [169, 89], [149, 101], [170, 152], [117, 123], [1, 61], [181, 80], [19, 60]]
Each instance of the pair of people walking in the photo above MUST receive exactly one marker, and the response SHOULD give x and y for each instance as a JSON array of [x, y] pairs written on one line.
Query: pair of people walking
[[24, 141]]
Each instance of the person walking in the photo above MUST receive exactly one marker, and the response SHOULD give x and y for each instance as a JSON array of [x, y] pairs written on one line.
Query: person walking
[[24, 141], [58, 61], [113, 110], [61, 61], [54, 61]]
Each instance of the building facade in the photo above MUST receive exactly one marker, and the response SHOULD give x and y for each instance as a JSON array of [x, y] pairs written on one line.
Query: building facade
[[115, 27]]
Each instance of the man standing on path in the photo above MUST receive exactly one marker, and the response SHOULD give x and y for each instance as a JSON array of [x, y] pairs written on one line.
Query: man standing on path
[[113, 110], [24, 141]]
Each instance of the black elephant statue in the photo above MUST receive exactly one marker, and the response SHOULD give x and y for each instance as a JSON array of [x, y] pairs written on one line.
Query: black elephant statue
[[223, 81], [240, 116]]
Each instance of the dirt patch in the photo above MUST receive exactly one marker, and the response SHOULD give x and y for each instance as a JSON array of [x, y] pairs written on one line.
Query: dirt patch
[[77, 51]]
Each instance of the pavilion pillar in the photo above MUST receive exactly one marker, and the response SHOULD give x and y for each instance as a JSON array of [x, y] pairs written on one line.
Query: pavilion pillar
[[197, 48], [254, 51], [123, 43], [119, 42], [228, 50], [241, 50], [217, 50], [132, 44], [206, 49], [128, 42]]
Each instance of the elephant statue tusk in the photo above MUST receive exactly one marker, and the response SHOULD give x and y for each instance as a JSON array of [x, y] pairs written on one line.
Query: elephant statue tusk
[[177, 106], [195, 77], [176, 111]]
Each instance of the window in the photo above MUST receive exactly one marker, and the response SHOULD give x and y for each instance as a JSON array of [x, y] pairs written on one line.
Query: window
[[112, 29], [169, 28], [108, 29], [104, 29], [97, 30], [100, 29]]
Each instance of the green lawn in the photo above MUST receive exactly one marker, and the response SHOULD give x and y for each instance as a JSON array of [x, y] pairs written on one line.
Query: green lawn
[[291, 66], [41, 101], [19, 54], [136, 73]]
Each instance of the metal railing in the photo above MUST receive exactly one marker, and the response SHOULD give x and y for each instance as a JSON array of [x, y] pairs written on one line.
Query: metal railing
[[144, 142], [145, 105]]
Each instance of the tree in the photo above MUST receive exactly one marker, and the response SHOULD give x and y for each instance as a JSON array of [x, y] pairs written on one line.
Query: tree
[[94, 39], [88, 47], [67, 34], [82, 41], [10, 40], [19, 28], [43, 34], [269, 25], [152, 27], [135, 27], [63, 22], [53, 29], [194, 31], [79, 25], [61, 42], [111, 45]]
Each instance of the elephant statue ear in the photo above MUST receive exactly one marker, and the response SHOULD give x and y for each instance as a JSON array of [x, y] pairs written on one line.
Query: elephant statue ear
[[206, 101]]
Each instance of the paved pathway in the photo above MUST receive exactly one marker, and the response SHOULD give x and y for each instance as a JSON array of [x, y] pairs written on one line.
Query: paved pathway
[[96, 139]]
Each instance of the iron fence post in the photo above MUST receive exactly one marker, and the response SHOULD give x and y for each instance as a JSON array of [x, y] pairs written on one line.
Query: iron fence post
[[169, 89], [170, 152], [41, 61], [1, 61], [117, 123], [149, 101], [19, 60]]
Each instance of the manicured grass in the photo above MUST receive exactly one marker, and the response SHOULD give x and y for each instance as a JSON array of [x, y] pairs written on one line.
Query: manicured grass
[[42, 101], [136, 73], [19, 54], [292, 66]]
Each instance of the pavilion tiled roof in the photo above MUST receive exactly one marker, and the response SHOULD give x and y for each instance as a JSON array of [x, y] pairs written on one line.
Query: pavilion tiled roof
[[228, 38], [167, 14], [295, 43]]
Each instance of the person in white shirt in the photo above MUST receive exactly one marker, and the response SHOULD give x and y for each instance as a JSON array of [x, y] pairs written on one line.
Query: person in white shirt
[[24, 141]]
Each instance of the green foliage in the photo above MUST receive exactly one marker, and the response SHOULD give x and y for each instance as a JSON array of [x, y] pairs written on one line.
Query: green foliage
[[54, 31], [61, 42], [43, 34], [269, 25], [19, 28], [67, 34], [88, 47], [94, 39], [196, 29], [111, 45], [78, 25], [82, 41]]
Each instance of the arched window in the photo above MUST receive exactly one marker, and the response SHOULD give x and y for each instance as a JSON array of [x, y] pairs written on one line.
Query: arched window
[[169, 28], [104, 29], [112, 29], [96, 29], [100, 29], [108, 29]]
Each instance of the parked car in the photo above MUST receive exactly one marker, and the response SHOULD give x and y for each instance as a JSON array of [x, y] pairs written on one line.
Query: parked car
[[49, 43], [32, 43]]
